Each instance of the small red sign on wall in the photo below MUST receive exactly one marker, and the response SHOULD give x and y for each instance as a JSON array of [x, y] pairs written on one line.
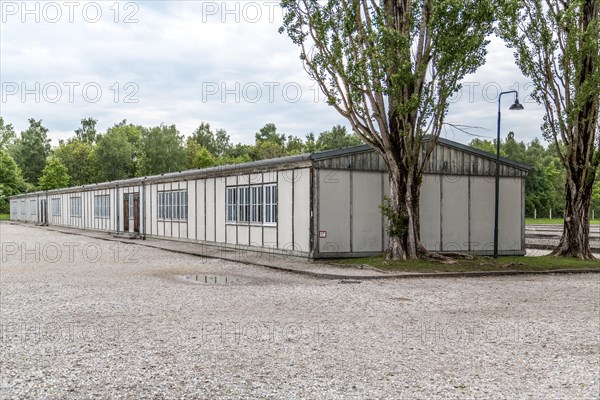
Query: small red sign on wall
[[322, 234]]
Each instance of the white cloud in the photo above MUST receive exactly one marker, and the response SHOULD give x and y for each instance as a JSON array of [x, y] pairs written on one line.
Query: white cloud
[[177, 49]]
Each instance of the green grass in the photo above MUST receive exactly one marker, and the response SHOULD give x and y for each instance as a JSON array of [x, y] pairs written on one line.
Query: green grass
[[557, 221], [4, 217], [542, 263]]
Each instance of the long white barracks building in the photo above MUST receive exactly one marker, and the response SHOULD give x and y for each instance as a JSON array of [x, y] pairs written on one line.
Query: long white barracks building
[[316, 205]]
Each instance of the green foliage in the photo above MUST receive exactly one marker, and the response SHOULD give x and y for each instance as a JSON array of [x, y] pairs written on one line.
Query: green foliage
[[268, 133], [217, 144], [161, 151], [197, 156], [115, 156], [390, 67], [557, 45], [310, 145], [545, 183], [54, 176], [373, 60], [485, 145], [87, 132], [271, 144], [398, 224], [30, 151], [294, 145], [7, 135], [337, 138], [11, 181], [76, 155]]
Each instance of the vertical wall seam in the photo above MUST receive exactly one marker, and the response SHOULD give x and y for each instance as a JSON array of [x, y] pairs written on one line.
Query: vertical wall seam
[[351, 210], [293, 208], [215, 208], [262, 226], [522, 214], [317, 216], [382, 217], [195, 209], [278, 207], [469, 214], [441, 212]]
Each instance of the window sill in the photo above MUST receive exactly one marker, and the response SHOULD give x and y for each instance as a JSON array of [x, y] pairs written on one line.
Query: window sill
[[255, 224]]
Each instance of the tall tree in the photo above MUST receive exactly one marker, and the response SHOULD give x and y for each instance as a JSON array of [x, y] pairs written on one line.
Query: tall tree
[[222, 143], [310, 144], [11, 181], [337, 138], [197, 156], [216, 143], [87, 131], [161, 150], [31, 150], [115, 156], [76, 155], [389, 67], [7, 134], [557, 45], [54, 176], [269, 143], [205, 137]]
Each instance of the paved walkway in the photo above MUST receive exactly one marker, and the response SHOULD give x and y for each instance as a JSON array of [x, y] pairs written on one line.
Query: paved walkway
[[319, 269], [547, 237]]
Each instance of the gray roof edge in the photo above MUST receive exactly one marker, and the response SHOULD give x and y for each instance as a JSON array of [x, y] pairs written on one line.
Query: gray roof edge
[[446, 142], [295, 159], [340, 152], [478, 152]]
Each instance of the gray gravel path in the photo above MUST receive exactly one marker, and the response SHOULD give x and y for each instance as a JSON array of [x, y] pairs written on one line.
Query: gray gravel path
[[86, 318]]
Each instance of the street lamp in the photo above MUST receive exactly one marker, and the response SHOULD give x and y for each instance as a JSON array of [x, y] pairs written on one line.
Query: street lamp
[[516, 106]]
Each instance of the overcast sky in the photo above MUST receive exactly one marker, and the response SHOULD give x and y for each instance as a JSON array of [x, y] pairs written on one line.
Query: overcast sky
[[184, 62]]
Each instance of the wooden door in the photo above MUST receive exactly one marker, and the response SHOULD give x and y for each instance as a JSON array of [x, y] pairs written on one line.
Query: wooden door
[[126, 213]]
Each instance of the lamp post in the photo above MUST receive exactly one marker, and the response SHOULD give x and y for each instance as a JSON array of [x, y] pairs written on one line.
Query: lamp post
[[516, 106]]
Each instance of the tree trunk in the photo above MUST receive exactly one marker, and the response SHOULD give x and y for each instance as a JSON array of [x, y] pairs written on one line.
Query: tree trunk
[[404, 235], [575, 240]]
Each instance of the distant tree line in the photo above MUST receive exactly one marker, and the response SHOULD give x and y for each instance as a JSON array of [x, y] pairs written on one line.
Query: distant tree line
[[545, 183], [28, 162]]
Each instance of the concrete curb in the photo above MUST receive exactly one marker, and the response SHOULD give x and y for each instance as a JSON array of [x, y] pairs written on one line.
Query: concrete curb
[[383, 275]]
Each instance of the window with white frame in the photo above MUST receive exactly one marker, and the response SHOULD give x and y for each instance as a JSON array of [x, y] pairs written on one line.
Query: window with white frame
[[13, 208], [32, 207], [252, 204], [231, 200], [55, 204], [256, 204], [75, 206], [243, 204], [173, 205], [271, 204], [102, 206], [23, 210]]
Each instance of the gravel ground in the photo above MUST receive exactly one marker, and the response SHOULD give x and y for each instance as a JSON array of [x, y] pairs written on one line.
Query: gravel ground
[[87, 318]]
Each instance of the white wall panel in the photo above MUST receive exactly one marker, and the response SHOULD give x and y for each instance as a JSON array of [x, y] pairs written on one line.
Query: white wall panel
[[220, 210], [429, 205], [284, 219], [509, 220], [210, 210], [455, 213], [334, 210], [366, 215], [482, 213], [302, 210]]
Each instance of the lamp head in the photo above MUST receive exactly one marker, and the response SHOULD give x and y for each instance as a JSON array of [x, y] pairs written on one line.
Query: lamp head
[[516, 105]]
